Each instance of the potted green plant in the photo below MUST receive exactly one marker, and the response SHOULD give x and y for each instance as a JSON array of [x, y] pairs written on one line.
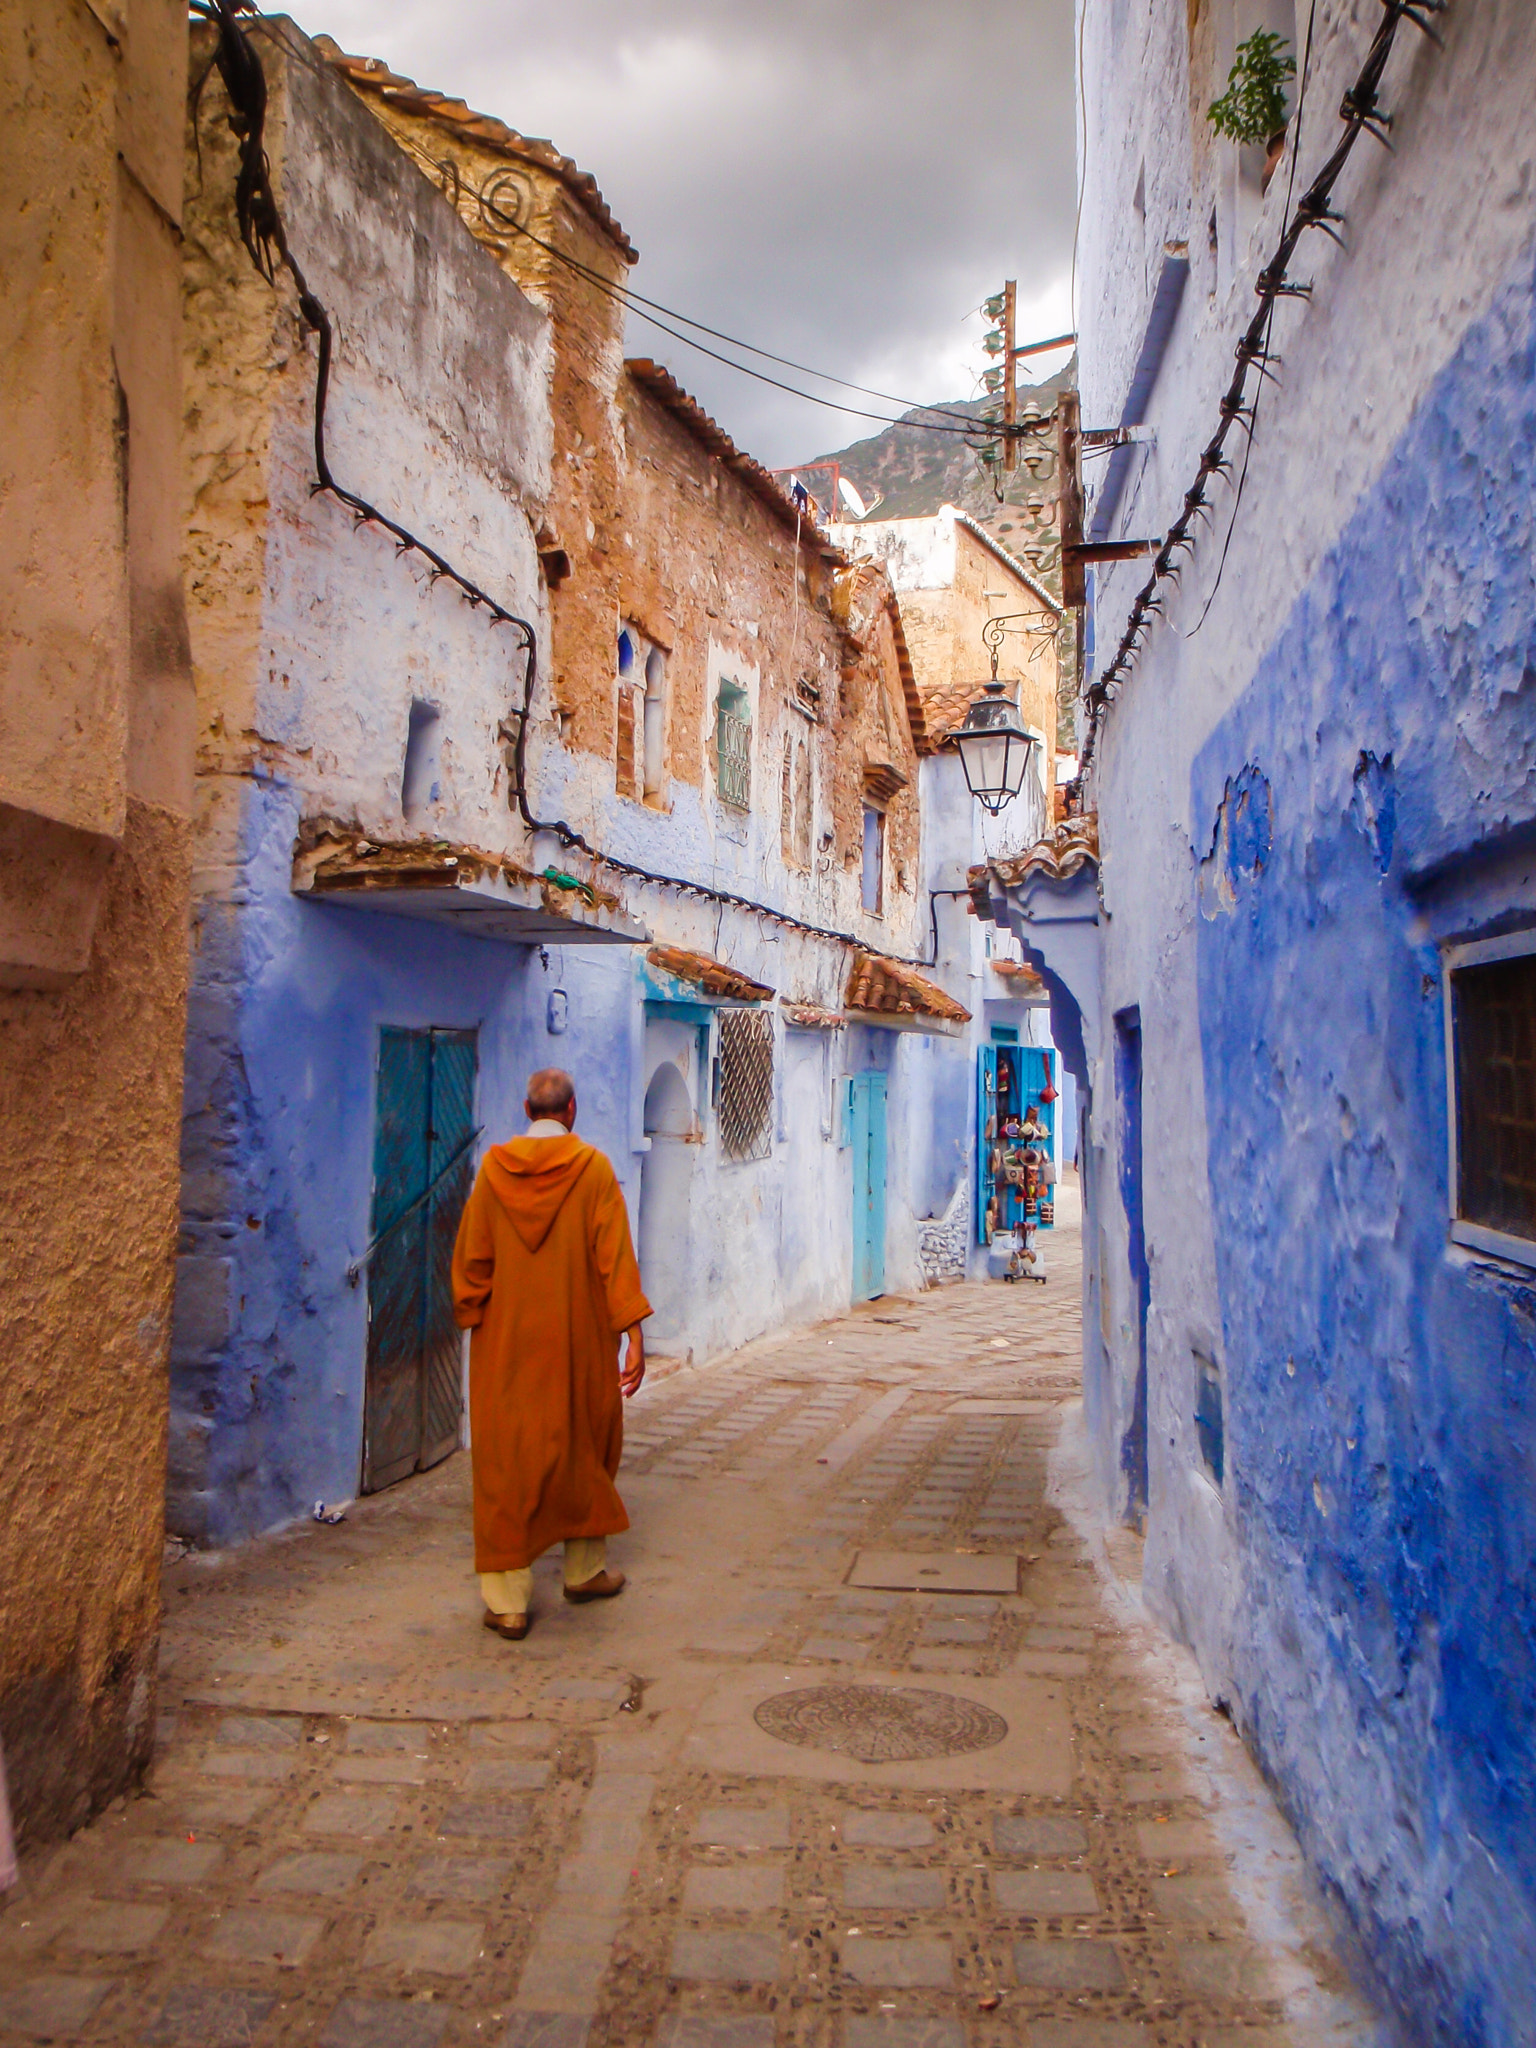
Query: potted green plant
[[1253, 108]]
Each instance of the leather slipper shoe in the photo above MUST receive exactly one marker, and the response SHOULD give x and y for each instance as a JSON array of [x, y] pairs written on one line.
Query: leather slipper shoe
[[513, 1626], [603, 1587]]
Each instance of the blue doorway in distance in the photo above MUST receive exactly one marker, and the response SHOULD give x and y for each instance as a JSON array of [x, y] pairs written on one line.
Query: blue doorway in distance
[[866, 1102]]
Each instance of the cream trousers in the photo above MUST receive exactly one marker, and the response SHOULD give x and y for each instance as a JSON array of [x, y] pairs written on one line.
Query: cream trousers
[[510, 1592]]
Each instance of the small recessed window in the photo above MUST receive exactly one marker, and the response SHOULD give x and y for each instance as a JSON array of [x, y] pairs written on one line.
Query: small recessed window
[[1490, 1015], [654, 737], [873, 894], [423, 755]]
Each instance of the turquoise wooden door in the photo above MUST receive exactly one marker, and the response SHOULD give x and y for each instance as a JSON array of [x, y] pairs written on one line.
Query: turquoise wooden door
[[866, 1093], [423, 1164]]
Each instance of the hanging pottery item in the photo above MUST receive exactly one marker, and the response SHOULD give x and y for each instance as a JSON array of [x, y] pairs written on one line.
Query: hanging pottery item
[[1049, 1092]]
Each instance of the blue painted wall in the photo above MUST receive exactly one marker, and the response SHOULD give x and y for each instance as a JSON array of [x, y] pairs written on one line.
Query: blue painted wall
[[1371, 795], [287, 999]]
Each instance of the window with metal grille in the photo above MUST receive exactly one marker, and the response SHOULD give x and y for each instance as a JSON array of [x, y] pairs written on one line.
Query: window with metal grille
[[733, 744], [1491, 1048], [745, 1104]]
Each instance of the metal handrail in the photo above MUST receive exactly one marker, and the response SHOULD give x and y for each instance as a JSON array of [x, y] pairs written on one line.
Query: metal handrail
[[355, 1270]]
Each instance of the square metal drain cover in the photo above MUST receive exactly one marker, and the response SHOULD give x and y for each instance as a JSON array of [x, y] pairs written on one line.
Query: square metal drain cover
[[934, 1571]]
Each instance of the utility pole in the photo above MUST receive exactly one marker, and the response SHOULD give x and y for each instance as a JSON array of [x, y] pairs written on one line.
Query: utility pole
[[1010, 392]]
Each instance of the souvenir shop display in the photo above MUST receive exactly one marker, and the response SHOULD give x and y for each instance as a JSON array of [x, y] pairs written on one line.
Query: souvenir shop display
[[1016, 1152]]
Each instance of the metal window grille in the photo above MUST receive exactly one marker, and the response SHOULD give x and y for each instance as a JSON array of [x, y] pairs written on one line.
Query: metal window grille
[[733, 736], [1494, 1016], [746, 1084]]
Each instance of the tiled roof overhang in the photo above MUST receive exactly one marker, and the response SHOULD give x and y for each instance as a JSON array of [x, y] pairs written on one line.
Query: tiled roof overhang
[[373, 75], [888, 992], [482, 895], [711, 976], [1057, 857]]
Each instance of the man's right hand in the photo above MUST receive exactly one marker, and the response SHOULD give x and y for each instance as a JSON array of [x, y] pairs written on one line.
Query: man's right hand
[[633, 1370]]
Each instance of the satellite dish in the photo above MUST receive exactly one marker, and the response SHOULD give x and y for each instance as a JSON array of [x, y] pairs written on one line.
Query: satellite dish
[[851, 499]]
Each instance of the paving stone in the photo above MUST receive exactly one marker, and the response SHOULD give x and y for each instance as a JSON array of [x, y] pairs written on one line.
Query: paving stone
[[1225, 1969], [835, 1650], [611, 1691], [865, 1830], [51, 2006], [248, 1934], [1068, 1965], [507, 1774], [499, 1820], [446, 1947], [859, 1626], [967, 1606], [726, 1958], [372, 1737], [102, 1927], [735, 1888], [1194, 1895], [891, 2030], [255, 1766], [547, 2030], [943, 1659], [208, 2016], [459, 1877], [1038, 1834], [715, 2030], [352, 1814], [954, 1629], [399, 1768], [867, 1886], [261, 1731], [220, 1806], [1049, 1664], [1107, 2034], [903, 1963], [511, 1735], [744, 1827], [318, 1873], [1044, 1892], [564, 1977], [167, 1859], [385, 2023], [1080, 1639], [1169, 1841]]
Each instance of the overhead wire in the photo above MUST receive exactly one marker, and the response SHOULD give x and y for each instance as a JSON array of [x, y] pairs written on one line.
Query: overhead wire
[[1360, 112], [264, 236]]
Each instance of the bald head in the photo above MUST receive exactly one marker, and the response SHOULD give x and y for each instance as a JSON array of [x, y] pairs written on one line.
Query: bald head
[[551, 1093]]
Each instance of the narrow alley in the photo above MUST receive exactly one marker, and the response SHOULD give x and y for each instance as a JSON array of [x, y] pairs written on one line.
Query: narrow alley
[[772, 1795]]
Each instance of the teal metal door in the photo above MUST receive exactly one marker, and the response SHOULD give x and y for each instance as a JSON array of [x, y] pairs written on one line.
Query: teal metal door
[[866, 1100], [423, 1163]]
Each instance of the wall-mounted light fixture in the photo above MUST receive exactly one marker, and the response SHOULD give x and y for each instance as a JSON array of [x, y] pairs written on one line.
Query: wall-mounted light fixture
[[993, 744]]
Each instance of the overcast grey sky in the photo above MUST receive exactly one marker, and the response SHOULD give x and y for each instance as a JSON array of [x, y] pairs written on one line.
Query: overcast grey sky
[[840, 181]]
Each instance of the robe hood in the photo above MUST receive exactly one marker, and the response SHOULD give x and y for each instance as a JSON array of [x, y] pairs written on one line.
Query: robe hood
[[531, 1178]]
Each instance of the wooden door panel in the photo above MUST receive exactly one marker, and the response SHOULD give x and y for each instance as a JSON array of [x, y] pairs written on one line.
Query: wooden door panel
[[451, 1142], [392, 1401]]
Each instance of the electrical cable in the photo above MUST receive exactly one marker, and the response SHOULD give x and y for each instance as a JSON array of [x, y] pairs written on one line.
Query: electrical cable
[[265, 239], [1360, 113], [1253, 423]]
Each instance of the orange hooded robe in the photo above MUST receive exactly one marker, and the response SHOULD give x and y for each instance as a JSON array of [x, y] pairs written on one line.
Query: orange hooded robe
[[544, 1274]]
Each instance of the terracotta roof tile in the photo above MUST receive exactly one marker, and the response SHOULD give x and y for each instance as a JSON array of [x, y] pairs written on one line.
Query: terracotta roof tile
[[892, 989], [1058, 856], [707, 973], [663, 386], [373, 75]]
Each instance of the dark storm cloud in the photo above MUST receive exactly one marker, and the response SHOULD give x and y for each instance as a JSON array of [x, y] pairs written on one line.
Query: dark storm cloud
[[841, 183]]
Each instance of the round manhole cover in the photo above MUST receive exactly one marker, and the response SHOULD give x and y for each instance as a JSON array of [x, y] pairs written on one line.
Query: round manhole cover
[[880, 1724]]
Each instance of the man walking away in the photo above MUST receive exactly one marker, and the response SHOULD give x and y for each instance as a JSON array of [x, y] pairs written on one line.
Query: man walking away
[[544, 1274]]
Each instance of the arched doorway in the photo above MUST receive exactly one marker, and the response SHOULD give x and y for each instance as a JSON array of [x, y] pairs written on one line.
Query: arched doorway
[[666, 1178]]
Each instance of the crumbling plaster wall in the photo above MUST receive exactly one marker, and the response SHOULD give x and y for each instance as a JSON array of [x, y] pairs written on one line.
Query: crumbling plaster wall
[[311, 643], [1295, 812], [95, 721]]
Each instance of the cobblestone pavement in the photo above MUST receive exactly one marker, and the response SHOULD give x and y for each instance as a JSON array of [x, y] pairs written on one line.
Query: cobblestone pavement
[[373, 1824]]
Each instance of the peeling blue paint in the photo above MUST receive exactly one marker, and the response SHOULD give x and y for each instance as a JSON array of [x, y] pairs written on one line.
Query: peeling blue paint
[[1380, 1385]]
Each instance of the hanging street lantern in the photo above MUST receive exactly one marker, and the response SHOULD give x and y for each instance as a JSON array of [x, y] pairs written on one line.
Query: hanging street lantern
[[993, 744]]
